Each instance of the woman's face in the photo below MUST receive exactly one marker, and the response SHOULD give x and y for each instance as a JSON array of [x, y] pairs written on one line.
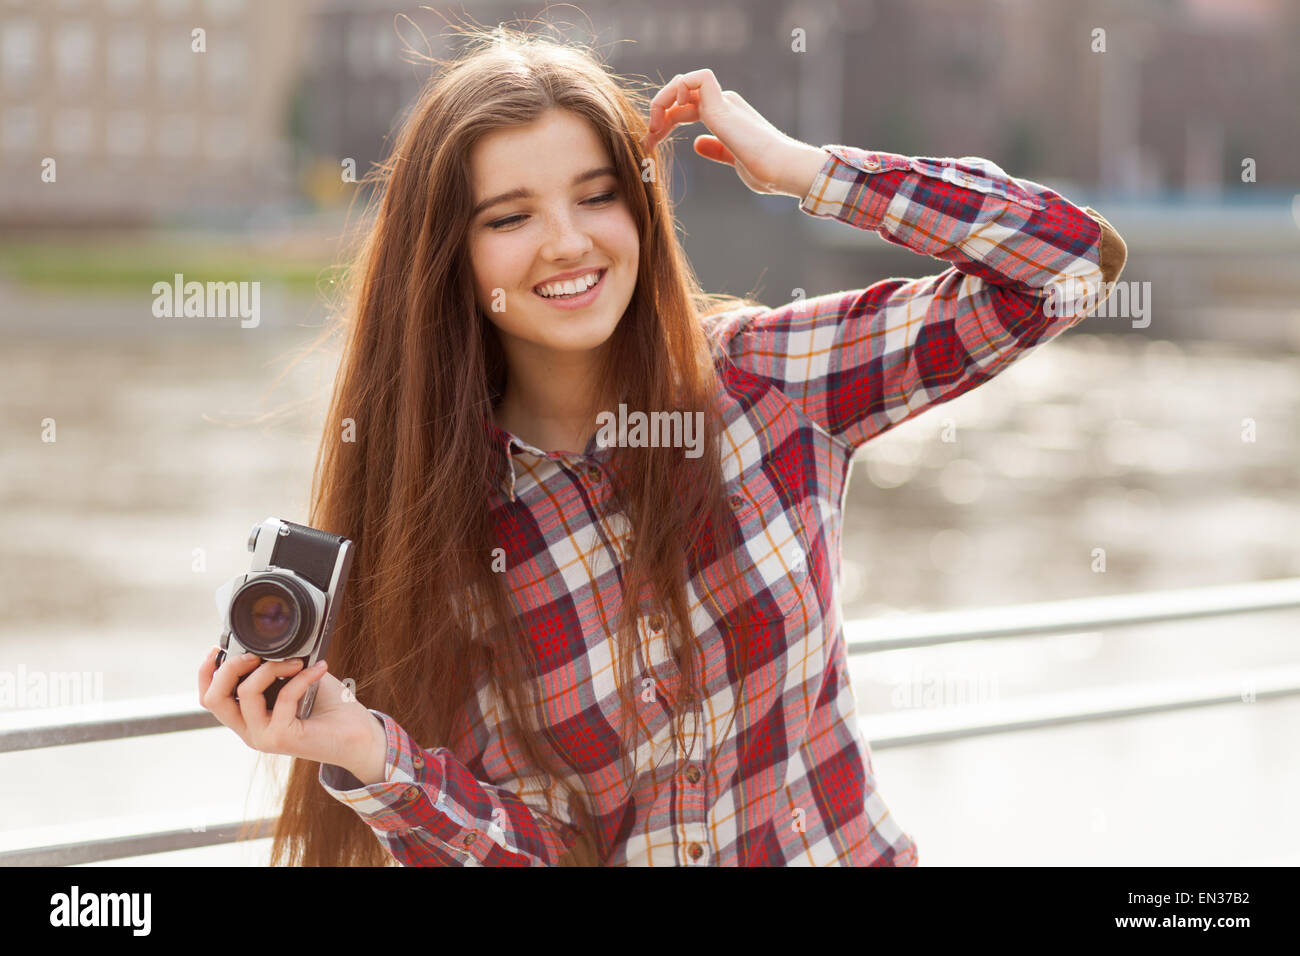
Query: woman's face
[[566, 222]]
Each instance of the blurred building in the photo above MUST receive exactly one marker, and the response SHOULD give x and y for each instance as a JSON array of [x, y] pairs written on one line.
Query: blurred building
[[143, 128], [366, 59], [139, 124], [1153, 103]]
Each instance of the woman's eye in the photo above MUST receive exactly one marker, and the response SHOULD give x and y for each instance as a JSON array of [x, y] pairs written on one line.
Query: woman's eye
[[601, 199]]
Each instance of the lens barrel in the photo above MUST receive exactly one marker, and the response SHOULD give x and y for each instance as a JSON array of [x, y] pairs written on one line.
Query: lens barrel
[[272, 616]]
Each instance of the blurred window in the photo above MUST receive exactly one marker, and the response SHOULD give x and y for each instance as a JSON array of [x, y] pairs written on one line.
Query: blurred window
[[177, 64], [224, 9], [173, 9], [229, 65], [73, 131], [18, 129], [126, 58], [359, 48], [177, 135], [17, 53], [125, 133], [74, 54]]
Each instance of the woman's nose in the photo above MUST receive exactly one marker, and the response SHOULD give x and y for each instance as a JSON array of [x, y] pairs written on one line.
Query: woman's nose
[[565, 238]]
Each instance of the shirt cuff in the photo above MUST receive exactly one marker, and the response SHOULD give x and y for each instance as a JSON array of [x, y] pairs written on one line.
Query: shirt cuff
[[341, 783], [837, 186]]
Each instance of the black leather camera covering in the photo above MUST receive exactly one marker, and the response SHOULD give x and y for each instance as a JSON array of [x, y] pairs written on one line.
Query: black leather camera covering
[[308, 551]]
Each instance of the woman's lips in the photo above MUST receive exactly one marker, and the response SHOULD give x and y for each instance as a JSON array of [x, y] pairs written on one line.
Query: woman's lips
[[576, 301]]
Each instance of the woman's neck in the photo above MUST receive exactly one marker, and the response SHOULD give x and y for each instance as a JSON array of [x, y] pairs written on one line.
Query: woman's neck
[[540, 431], [548, 410]]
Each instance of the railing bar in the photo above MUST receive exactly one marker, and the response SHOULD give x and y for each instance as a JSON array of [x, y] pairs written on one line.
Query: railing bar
[[119, 847], [116, 848], [887, 741], [864, 636], [93, 731], [148, 716]]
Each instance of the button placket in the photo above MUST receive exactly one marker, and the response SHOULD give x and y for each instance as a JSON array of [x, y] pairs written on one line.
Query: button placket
[[756, 502], [654, 647]]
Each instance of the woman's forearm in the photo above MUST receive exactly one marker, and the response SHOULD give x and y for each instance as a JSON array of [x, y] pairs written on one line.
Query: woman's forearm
[[804, 164], [369, 766]]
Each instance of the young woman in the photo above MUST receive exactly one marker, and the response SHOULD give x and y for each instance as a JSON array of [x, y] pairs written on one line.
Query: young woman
[[587, 645]]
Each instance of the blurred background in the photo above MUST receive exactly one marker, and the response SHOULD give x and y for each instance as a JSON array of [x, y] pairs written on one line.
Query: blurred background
[[138, 450]]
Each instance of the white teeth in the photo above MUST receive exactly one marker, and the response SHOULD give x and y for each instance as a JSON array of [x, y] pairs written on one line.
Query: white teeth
[[569, 286]]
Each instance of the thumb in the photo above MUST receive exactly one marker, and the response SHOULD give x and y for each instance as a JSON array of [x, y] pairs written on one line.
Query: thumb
[[710, 147]]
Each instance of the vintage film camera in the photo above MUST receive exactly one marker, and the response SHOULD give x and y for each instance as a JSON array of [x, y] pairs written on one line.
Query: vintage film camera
[[285, 606]]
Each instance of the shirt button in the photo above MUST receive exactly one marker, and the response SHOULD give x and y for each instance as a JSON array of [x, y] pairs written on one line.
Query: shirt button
[[693, 773], [417, 761], [967, 178], [872, 164], [594, 474], [695, 850], [411, 793], [468, 841], [737, 502], [656, 624]]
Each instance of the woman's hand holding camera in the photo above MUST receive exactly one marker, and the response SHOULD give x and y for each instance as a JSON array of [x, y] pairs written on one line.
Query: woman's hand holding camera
[[340, 730]]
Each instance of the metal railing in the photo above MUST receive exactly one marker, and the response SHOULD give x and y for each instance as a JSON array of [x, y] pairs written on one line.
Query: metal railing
[[33, 729]]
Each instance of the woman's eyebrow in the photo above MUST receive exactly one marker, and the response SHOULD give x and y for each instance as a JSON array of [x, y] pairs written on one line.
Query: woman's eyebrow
[[522, 193]]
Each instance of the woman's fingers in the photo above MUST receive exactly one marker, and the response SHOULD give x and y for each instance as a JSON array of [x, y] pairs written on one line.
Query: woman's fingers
[[207, 669], [710, 147], [684, 94], [220, 692], [659, 105], [286, 702], [251, 702]]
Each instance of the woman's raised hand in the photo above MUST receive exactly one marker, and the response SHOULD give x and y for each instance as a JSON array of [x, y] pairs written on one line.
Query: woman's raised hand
[[767, 160]]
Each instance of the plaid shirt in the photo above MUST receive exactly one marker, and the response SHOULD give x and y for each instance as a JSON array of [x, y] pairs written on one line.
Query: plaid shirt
[[802, 387]]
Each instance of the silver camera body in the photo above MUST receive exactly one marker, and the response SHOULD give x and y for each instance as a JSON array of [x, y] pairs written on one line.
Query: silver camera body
[[286, 605]]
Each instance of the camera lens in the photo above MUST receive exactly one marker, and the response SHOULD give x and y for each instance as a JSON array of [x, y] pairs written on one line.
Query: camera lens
[[272, 616]]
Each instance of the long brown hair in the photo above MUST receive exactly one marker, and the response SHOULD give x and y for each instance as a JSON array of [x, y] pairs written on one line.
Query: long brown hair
[[421, 370]]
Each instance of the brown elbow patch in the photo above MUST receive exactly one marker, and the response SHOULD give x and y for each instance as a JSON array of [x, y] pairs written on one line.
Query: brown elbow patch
[[1114, 253]]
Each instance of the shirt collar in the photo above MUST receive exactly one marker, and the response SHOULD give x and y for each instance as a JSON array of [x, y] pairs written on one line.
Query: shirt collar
[[504, 447], [502, 469]]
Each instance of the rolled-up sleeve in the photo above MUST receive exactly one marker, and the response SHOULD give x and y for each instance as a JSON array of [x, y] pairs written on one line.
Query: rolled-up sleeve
[[472, 806], [1026, 264]]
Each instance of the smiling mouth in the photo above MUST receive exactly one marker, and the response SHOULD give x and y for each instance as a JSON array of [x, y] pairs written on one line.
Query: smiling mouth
[[600, 278]]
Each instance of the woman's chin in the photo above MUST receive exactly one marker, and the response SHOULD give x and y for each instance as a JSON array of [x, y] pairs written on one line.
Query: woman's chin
[[572, 333]]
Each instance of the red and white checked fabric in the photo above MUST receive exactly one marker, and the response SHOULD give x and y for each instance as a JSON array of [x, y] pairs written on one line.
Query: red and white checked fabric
[[803, 386]]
